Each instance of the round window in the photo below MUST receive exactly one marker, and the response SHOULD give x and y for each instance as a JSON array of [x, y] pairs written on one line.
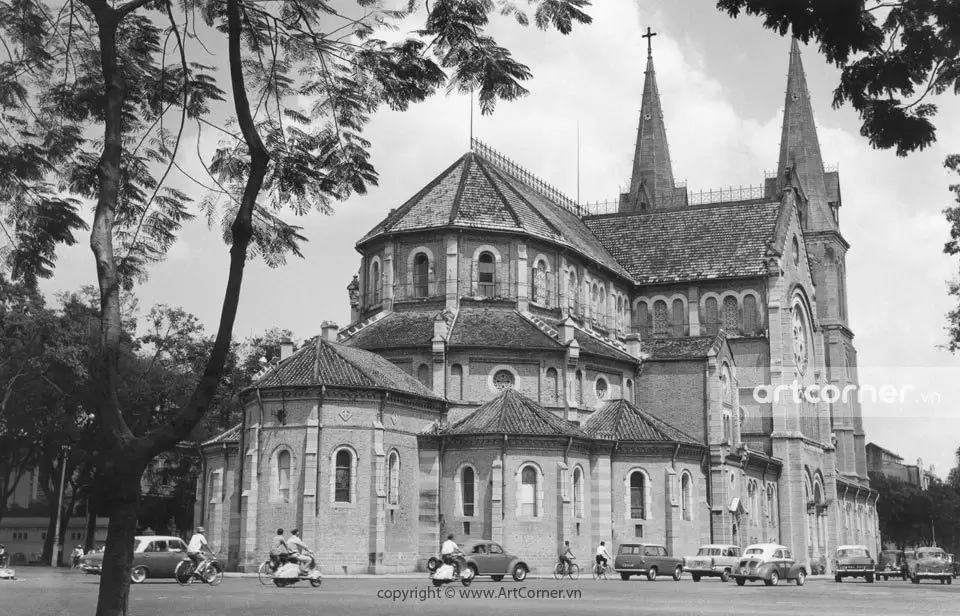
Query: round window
[[800, 353], [601, 389], [503, 379]]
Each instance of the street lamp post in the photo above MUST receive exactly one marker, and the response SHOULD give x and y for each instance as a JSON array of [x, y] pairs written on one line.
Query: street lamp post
[[56, 532]]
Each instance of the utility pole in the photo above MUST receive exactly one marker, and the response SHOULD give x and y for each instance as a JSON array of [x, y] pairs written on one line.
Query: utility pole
[[56, 532]]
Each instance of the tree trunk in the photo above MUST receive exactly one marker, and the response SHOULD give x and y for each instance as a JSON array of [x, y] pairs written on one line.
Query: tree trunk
[[90, 535], [118, 556]]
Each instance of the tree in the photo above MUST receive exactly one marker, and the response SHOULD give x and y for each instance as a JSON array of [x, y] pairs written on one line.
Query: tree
[[100, 66]]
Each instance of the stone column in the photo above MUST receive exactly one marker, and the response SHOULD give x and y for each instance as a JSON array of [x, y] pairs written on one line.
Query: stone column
[[601, 503], [439, 347], [311, 469], [496, 501], [693, 310], [671, 518], [523, 275], [388, 276], [379, 521], [453, 269], [429, 504], [251, 499]]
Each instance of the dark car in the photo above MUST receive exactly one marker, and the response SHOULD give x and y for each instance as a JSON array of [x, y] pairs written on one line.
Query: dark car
[[488, 558], [646, 559], [770, 563], [854, 561], [892, 563], [153, 556]]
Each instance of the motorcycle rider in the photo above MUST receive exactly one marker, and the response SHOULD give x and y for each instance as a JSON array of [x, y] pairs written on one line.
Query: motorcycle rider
[[300, 551], [76, 555], [278, 548], [4, 557], [449, 550]]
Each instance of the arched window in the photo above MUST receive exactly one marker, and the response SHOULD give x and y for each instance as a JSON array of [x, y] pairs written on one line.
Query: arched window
[[572, 291], [771, 508], [577, 492], [283, 476], [528, 492], [642, 323], [423, 374], [619, 314], [629, 391], [421, 275], [686, 496], [731, 314], [601, 389], [579, 388], [638, 496], [375, 283], [679, 318], [661, 321], [343, 483], [552, 387], [467, 496], [602, 307], [540, 283], [711, 316], [751, 318], [487, 275], [595, 302], [455, 388], [393, 478]]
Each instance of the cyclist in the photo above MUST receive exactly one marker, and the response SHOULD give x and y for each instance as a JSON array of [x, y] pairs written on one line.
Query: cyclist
[[300, 550], [195, 549], [602, 554], [4, 557], [566, 556]]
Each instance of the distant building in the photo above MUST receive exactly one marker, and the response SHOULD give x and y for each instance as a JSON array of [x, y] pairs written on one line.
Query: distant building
[[889, 464]]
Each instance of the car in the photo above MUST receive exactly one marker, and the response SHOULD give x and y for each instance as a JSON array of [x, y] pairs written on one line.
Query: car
[[646, 559], [954, 565], [713, 560], [892, 563], [929, 564], [769, 562], [488, 558], [154, 556], [854, 561]]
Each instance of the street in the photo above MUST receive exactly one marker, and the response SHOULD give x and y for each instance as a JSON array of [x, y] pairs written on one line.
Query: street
[[42, 592]]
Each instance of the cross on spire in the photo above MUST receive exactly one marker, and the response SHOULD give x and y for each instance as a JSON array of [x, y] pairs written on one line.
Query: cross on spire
[[649, 36]]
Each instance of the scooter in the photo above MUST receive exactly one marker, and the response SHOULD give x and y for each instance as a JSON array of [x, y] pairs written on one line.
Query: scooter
[[441, 573], [289, 573], [6, 573]]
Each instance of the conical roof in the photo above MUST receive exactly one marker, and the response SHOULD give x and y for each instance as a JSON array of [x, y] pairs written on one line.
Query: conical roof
[[321, 362], [513, 413], [652, 176], [620, 420]]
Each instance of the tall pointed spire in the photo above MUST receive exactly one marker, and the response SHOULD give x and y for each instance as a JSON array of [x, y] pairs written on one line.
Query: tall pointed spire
[[800, 157], [651, 184]]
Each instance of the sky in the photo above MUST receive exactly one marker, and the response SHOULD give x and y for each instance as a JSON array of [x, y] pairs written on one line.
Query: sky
[[722, 85]]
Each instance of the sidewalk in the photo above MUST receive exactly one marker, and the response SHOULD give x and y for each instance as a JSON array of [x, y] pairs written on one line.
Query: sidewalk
[[423, 575]]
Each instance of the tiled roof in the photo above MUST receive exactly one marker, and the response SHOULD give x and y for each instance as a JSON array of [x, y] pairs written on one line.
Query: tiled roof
[[320, 362], [474, 193], [230, 436], [515, 414], [396, 330], [619, 420], [590, 345], [696, 347], [498, 327], [697, 243]]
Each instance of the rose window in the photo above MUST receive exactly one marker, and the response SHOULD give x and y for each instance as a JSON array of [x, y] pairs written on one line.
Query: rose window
[[503, 379]]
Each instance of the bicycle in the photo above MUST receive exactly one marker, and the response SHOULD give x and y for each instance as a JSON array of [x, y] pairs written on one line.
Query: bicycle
[[600, 571], [209, 572], [572, 571]]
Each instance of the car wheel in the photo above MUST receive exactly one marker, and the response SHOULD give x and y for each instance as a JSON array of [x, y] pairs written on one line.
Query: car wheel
[[624, 576], [473, 570], [949, 580], [694, 577], [774, 579], [942, 581], [802, 577], [437, 583], [652, 574], [138, 574], [519, 573], [915, 580], [837, 579], [869, 579], [725, 575], [432, 564], [496, 578], [741, 581]]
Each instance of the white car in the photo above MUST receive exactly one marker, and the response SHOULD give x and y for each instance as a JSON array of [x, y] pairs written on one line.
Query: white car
[[713, 560]]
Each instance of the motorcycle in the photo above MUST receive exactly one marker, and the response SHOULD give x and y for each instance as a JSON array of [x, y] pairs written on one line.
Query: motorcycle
[[289, 572], [441, 573]]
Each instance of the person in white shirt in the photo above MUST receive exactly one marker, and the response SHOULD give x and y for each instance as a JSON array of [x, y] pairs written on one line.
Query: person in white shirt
[[602, 554], [448, 549], [195, 548], [303, 553]]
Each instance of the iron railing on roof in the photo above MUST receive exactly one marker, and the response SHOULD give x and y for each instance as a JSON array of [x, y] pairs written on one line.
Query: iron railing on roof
[[725, 195]]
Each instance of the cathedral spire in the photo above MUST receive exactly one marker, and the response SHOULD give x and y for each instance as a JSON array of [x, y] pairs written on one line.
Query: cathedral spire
[[800, 157], [651, 184]]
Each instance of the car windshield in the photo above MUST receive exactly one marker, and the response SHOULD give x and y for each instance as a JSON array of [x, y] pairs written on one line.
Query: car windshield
[[708, 552], [853, 553], [754, 552], [931, 554]]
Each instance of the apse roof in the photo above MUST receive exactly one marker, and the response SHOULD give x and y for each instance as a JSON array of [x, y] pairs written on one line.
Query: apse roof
[[513, 413], [622, 421]]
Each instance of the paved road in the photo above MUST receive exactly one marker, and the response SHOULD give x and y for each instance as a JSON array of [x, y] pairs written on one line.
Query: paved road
[[42, 592]]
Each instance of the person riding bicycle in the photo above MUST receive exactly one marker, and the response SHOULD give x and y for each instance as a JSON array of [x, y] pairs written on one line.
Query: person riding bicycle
[[602, 554], [4, 557], [76, 555], [195, 549], [449, 550], [299, 550], [566, 556]]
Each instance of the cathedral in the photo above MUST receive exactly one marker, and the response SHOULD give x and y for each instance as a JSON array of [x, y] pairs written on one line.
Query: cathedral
[[522, 369]]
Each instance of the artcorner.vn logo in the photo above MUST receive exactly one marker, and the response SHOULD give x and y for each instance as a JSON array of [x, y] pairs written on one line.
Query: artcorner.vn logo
[[830, 394]]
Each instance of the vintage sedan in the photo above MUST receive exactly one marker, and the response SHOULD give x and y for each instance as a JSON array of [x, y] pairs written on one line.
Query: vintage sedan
[[929, 564], [892, 563], [488, 558], [770, 563], [853, 561], [646, 559], [154, 556], [713, 560]]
